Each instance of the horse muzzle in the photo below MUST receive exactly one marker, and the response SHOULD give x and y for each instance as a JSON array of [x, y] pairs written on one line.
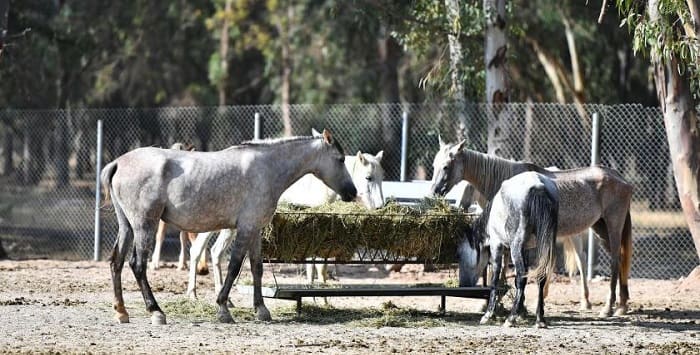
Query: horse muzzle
[[349, 193]]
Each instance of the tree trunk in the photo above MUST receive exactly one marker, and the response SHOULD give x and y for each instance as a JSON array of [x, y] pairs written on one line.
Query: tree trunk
[[456, 55], [286, 71], [223, 54], [497, 81], [681, 121], [389, 53], [4, 10]]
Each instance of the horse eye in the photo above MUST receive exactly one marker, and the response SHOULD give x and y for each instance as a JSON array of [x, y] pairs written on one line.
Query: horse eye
[[369, 178]]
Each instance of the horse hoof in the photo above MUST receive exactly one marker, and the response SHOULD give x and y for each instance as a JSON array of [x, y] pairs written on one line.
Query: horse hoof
[[158, 318], [264, 314], [510, 322], [224, 316], [585, 306], [541, 325], [152, 266], [621, 311], [122, 317], [484, 320], [192, 295], [229, 303], [605, 312]]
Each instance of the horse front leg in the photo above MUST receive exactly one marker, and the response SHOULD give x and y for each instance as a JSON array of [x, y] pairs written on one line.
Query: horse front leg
[[160, 237], [217, 251], [138, 264], [240, 246], [196, 250], [256, 268], [496, 261], [183, 251]]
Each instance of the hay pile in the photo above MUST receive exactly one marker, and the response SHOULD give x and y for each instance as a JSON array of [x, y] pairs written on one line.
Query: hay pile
[[427, 232]]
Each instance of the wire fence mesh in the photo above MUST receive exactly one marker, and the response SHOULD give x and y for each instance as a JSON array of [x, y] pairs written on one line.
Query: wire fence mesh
[[47, 161]]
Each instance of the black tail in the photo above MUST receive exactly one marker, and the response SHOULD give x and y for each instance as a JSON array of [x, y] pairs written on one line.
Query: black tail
[[543, 216]]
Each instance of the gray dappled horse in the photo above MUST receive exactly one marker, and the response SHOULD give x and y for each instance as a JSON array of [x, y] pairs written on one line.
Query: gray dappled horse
[[203, 191], [367, 176], [597, 197], [202, 267], [523, 215]]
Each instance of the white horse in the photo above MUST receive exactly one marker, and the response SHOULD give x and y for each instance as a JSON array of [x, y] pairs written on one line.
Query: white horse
[[202, 191], [367, 175]]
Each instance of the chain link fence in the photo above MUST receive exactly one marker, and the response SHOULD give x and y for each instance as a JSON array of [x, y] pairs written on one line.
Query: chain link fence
[[48, 158]]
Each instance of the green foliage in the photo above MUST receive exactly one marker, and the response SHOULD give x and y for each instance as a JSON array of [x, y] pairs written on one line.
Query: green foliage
[[666, 38]]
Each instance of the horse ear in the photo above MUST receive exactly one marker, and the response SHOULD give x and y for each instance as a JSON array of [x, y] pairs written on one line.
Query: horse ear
[[361, 158], [460, 145], [315, 133], [189, 147], [327, 137], [442, 143], [379, 156]]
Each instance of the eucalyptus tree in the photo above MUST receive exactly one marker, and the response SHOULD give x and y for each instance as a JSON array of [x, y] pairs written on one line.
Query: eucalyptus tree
[[668, 31]]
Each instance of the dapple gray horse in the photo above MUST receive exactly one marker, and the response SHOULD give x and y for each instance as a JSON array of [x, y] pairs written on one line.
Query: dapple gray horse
[[523, 215], [597, 197], [202, 267], [203, 191]]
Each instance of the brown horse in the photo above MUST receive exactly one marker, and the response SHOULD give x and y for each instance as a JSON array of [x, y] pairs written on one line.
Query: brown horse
[[597, 197]]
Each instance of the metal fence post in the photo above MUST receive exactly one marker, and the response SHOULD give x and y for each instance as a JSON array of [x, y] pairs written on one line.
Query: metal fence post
[[404, 144], [98, 169], [257, 130], [595, 160]]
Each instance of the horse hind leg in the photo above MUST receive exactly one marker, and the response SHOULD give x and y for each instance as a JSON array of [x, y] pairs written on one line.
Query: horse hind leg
[[181, 263], [573, 249], [625, 265], [196, 250], [121, 246], [540, 322], [142, 239], [610, 233], [520, 283]]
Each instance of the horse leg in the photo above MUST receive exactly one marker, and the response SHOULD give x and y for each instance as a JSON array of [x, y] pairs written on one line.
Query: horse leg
[[142, 238], [310, 273], [256, 268], [625, 265], [573, 248], [160, 237], [606, 230], [183, 249], [240, 246], [540, 322], [121, 246], [223, 241], [195, 250], [496, 261], [520, 283], [202, 267]]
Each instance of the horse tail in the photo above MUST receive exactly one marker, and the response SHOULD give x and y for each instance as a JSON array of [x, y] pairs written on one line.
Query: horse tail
[[626, 250], [543, 216], [570, 254], [106, 178]]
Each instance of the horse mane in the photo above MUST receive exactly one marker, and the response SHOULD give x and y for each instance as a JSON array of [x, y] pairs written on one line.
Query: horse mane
[[491, 171], [271, 142]]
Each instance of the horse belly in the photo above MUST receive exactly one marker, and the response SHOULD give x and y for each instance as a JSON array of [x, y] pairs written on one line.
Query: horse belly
[[576, 219]]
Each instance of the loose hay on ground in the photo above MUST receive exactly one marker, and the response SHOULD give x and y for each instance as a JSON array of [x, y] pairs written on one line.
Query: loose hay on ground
[[428, 232]]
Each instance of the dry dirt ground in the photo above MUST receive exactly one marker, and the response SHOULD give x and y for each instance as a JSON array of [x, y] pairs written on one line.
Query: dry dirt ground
[[51, 306]]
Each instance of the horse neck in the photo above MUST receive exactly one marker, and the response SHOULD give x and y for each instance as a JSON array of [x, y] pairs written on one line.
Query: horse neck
[[487, 172], [289, 161]]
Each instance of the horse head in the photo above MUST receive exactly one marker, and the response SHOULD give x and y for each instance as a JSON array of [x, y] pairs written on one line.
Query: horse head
[[448, 170], [368, 175], [331, 167], [472, 256]]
